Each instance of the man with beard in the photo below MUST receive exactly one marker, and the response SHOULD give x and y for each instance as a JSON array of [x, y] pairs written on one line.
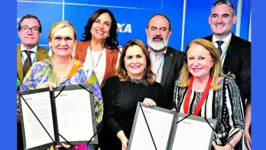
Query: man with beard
[[235, 53], [166, 61]]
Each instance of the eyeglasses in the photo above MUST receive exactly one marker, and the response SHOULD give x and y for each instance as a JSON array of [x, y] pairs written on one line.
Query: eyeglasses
[[33, 29], [67, 39]]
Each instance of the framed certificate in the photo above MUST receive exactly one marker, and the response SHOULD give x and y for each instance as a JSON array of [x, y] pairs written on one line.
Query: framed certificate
[[192, 132], [151, 128], [53, 117]]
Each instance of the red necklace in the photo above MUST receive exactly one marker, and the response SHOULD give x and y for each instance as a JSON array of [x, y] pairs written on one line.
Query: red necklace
[[202, 98]]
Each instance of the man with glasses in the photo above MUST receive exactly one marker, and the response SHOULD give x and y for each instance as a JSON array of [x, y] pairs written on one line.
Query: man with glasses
[[28, 52]]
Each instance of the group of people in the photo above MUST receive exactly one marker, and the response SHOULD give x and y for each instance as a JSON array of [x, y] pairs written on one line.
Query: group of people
[[202, 81]]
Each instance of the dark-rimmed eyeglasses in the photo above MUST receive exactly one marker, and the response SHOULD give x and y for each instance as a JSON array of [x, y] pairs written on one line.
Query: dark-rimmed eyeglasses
[[33, 29]]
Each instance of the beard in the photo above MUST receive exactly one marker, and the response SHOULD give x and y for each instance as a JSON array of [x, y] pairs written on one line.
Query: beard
[[157, 46]]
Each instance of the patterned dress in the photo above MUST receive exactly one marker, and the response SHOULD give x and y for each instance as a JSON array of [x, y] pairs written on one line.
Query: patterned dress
[[43, 72], [224, 105], [18, 86]]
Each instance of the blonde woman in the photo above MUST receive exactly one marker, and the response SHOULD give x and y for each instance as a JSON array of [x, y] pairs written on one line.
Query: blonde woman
[[203, 90], [62, 69]]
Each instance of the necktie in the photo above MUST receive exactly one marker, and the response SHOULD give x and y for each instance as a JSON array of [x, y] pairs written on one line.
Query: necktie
[[219, 46], [27, 63]]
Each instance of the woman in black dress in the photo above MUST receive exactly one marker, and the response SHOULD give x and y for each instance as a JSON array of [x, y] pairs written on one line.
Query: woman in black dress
[[133, 83]]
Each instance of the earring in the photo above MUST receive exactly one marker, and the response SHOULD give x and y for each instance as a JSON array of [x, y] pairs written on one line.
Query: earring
[[73, 52], [50, 53]]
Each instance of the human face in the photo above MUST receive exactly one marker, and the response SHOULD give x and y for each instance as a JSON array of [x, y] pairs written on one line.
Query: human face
[[221, 20], [29, 39], [135, 62], [158, 33], [199, 61], [62, 42], [101, 27]]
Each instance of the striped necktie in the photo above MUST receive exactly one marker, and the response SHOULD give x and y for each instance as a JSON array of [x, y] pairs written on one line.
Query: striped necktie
[[27, 63], [219, 46]]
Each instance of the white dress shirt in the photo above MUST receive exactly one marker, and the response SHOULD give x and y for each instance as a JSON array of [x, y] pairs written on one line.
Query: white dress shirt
[[226, 41], [157, 64], [32, 55]]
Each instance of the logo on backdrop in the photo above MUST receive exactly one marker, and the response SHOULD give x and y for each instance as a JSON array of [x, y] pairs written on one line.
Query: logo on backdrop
[[124, 28]]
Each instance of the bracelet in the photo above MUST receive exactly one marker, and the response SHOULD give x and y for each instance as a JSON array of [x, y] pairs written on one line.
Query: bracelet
[[232, 147]]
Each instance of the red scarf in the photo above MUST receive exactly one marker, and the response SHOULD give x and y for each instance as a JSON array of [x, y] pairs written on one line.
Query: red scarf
[[203, 97]]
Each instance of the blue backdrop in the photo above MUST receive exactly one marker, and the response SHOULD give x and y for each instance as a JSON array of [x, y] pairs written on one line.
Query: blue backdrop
[[132, 16]]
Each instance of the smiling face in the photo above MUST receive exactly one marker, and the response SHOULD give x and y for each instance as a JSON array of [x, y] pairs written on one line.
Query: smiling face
[[62, 41], [221, 20], [29, 38], [135, 62], [158, 33], [101, 27], [199, 61]]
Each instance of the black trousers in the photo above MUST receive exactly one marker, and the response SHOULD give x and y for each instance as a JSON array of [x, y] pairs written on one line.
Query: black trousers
[[19, 136]]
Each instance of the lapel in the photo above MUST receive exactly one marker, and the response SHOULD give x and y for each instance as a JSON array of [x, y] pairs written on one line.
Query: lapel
[[229, 54], [81, 50], [209, 38], [19, 64], [109, 60], [40, 54], [168, 59]]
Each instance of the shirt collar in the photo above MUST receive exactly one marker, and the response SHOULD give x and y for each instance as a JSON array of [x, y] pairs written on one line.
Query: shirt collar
[[226, 39], [34, 49], [152, 52]]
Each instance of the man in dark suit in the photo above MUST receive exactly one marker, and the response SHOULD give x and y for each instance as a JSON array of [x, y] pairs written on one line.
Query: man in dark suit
[[166, 61], [235, 52], [28, 52]]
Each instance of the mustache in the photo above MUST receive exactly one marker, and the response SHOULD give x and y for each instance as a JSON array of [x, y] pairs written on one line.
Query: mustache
[[157, 37]]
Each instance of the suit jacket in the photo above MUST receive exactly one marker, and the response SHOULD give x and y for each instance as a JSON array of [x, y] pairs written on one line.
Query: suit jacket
[[173, 63], [42, 54], [238, 62], [111, 58]]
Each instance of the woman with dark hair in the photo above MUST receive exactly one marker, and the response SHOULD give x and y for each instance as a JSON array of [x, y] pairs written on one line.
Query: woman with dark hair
[[99, 48], [203, 90], [134, 82]]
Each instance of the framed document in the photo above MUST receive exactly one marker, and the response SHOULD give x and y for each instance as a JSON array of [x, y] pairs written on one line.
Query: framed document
[[151, 128], [192, 132], [64, 115]]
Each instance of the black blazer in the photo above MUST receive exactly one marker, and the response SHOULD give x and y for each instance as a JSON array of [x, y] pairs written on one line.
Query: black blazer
[[238, 62], [173, 63]]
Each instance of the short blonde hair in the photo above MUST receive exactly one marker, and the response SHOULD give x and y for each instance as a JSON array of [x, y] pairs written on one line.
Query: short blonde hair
[[216, 70], [59, 25]]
